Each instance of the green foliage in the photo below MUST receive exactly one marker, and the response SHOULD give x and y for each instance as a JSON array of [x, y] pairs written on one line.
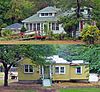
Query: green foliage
[[18, 9], [39, 53], [69, 23], [90, 34], [6, 33], [96, 13], [23, 29], [61, 36]]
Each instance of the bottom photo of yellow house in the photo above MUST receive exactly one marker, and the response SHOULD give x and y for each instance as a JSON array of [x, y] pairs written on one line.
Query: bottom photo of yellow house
[[56, 69]]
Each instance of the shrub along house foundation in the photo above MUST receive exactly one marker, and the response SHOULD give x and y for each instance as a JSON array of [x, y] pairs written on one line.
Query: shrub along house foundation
[[58, 69]]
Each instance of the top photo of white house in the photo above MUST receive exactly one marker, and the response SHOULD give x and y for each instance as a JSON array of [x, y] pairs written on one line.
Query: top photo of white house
[[73, 23]]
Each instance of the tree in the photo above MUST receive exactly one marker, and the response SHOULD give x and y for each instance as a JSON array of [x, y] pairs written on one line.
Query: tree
[[12, 54], [3, 9], [18, 10], [8, 57], [90, 34], [69, 24], [96, 13]]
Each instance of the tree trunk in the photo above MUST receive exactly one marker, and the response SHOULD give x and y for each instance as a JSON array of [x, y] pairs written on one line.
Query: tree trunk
[[78, 9], [6, 77]]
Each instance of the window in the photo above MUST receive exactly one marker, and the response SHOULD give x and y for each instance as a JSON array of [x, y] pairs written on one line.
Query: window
[[42, 14], [78, 70], [57, 70], [60, 70], [28, 69], [55, 26], [50, 14], [38, 26], [46, 14]]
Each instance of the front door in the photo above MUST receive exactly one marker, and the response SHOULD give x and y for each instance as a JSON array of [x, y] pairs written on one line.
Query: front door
[[47, 72]]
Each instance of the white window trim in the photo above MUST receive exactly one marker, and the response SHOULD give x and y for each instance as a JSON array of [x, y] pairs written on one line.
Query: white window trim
[[60, 69], [76, 70], [28, 69]]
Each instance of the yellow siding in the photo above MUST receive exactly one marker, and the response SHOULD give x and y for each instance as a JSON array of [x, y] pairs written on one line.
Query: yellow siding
[[65, 76], [70, 72], [84, 75], [27, 76]]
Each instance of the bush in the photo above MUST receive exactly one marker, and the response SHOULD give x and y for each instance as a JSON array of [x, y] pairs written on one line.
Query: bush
[[6, 33], [61, 36], [23, 29], [90, 34]]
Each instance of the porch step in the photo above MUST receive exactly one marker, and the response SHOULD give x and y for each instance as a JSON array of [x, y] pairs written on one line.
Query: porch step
[[46, 82]]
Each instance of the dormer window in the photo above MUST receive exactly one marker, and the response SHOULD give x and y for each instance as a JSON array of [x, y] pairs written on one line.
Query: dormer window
[[42, 14], [46, 14], [50, 14]]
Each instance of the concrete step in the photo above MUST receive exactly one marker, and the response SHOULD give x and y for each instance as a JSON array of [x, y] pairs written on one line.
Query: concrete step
[[46, 82]]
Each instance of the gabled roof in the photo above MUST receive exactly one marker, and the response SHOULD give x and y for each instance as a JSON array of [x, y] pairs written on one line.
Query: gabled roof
[[49, 9], [15, 26], [36, 18]]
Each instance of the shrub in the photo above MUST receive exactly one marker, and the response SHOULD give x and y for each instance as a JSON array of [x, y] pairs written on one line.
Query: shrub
[[6, 33], [90, 34], [23, 29]]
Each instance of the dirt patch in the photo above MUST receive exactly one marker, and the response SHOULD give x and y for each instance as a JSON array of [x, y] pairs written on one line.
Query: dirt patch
[[43, 42], [17, 87], [76, 85]]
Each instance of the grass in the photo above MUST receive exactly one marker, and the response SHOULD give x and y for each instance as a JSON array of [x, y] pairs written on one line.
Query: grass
[[81, 90]]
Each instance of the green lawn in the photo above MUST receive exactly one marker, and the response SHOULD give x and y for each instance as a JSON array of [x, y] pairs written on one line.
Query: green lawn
[[81, 90]]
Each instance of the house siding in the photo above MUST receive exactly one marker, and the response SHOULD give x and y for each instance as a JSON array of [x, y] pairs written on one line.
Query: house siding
[[27, 76], [84, 75], [65, 76], [70, 72]]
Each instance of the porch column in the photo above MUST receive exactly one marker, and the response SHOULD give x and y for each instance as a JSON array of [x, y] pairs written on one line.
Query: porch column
[[51, 26], [43, 72], [24, 24], [50, 71]]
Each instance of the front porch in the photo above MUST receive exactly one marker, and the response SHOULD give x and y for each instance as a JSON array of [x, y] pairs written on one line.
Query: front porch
[[46, 75], [43, 28]]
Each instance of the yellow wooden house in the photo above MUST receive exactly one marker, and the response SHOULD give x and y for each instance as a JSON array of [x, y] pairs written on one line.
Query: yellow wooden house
[[58, 70]]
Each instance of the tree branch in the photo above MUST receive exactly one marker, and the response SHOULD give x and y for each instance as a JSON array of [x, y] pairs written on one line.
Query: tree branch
[[14, 63]]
